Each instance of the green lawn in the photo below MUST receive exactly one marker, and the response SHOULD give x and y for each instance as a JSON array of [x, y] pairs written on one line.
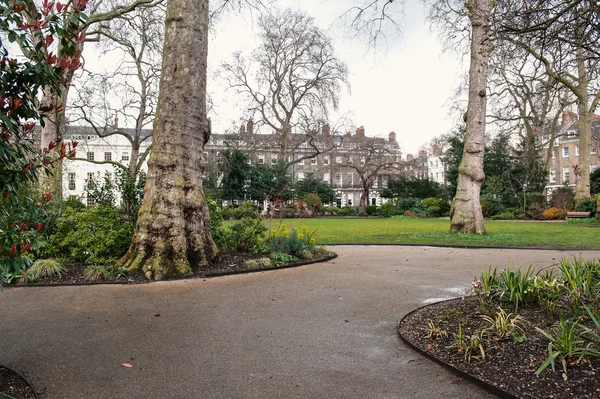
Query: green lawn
[[557, 235]]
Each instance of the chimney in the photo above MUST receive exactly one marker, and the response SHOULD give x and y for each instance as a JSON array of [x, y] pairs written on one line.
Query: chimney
[[410, 157], [250, 127], [242, 130], [348, 133], [422, 154], [326, 130], [568, 118], [393, 137], [116, 124], [360, 131]]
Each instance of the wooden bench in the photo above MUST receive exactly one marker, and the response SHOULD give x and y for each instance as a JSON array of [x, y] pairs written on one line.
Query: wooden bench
[[578, 215]]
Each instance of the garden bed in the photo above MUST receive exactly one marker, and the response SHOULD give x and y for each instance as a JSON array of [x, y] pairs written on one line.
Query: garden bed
[[228, 263], [521, 335]]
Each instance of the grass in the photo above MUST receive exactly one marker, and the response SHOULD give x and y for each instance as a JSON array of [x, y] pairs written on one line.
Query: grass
[[414, 231]]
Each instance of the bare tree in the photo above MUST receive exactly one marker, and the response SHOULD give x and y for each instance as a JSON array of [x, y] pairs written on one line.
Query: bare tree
[[292, 79], [563, 38], [370, 157], [129, 91], [172, 235], [99, 13]]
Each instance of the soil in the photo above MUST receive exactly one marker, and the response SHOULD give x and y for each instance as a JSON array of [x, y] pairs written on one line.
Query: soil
[[228, 263], [509, 366], [12, 385]]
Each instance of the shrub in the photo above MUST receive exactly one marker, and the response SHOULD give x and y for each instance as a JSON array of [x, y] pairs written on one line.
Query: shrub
[[586, 205], [554, 214], [264, 262], [313, 202], [246, 235], [490, 206], [371, 210], [306, 254], [245, 211], [46, 268], [348, 211], [435, 206], [96, 273], [293, 242], [279, 258], [562, 197], [94, 235], [412, 205], [251, 264], [73, 203], [388, 210], [332, 210]]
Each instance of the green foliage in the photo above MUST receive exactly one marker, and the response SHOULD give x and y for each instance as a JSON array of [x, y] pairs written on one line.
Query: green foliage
[[292, 243], [312, 185], [389, 209], [313, 202], [73, 203], [348, 211], [502, 325], [46, 268], [101, 189], [22, 81], [96, 273], [246, 235], [280, 258], [517, 287], [94, 235], [269, 182], [586, 205], [371, 210], [247, 210], [130, 186], [436, 206], [595, 182], [264, 262], [413, 187], [234, 169], [563, 198], [456, 140], [251, 264], [490, 206]]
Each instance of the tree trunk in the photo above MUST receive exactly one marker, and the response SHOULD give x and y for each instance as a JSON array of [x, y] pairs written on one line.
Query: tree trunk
[[466, 216], [172, 234], [584, 125], [364, 201]]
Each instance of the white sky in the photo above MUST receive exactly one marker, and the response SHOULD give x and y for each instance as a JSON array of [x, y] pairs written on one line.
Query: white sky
[[405, 87]]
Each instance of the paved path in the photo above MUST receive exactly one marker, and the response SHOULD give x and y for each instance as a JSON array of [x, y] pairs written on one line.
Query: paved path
[[319, 331]]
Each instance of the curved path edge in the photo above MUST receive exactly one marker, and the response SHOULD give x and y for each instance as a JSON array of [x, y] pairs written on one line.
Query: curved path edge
[[462, 374]]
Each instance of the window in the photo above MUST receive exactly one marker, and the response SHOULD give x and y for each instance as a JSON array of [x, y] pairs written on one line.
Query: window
[[338, 180], [326, 177], [553, 155], [553, 175], [592, 168], [90, 201], [90, 156], [125, 156], [565, 152], [261, 159], [566, 175], [274, 159], [338, 160], [362, 161], [71, 179], [577, 150], [108, 156], [593, 149], [326, 161], [73, 198], [313, 161], [351, 179], [300, 175]]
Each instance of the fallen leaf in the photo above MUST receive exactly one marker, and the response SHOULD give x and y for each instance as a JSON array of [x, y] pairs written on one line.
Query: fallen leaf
[[429, 347], [157, 315], [129, 366], [132, 357], [347, 321], [459, 380]]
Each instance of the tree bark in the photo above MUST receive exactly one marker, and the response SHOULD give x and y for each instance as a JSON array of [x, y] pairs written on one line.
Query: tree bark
[[466, 215], [584, 125], [172, 234], [363, 203]]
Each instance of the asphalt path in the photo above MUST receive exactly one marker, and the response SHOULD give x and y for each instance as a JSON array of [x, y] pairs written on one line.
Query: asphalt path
[[319, 331]]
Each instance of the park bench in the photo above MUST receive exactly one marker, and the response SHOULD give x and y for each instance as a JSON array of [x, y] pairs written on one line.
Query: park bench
[[578, 215]]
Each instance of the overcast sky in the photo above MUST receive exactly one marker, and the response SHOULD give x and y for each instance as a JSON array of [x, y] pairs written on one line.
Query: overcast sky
[[404, 86]]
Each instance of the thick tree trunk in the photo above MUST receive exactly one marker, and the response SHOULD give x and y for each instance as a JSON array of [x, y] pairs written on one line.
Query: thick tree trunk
[[364, 201], [584, 125], [173, 229], [466, 216]]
